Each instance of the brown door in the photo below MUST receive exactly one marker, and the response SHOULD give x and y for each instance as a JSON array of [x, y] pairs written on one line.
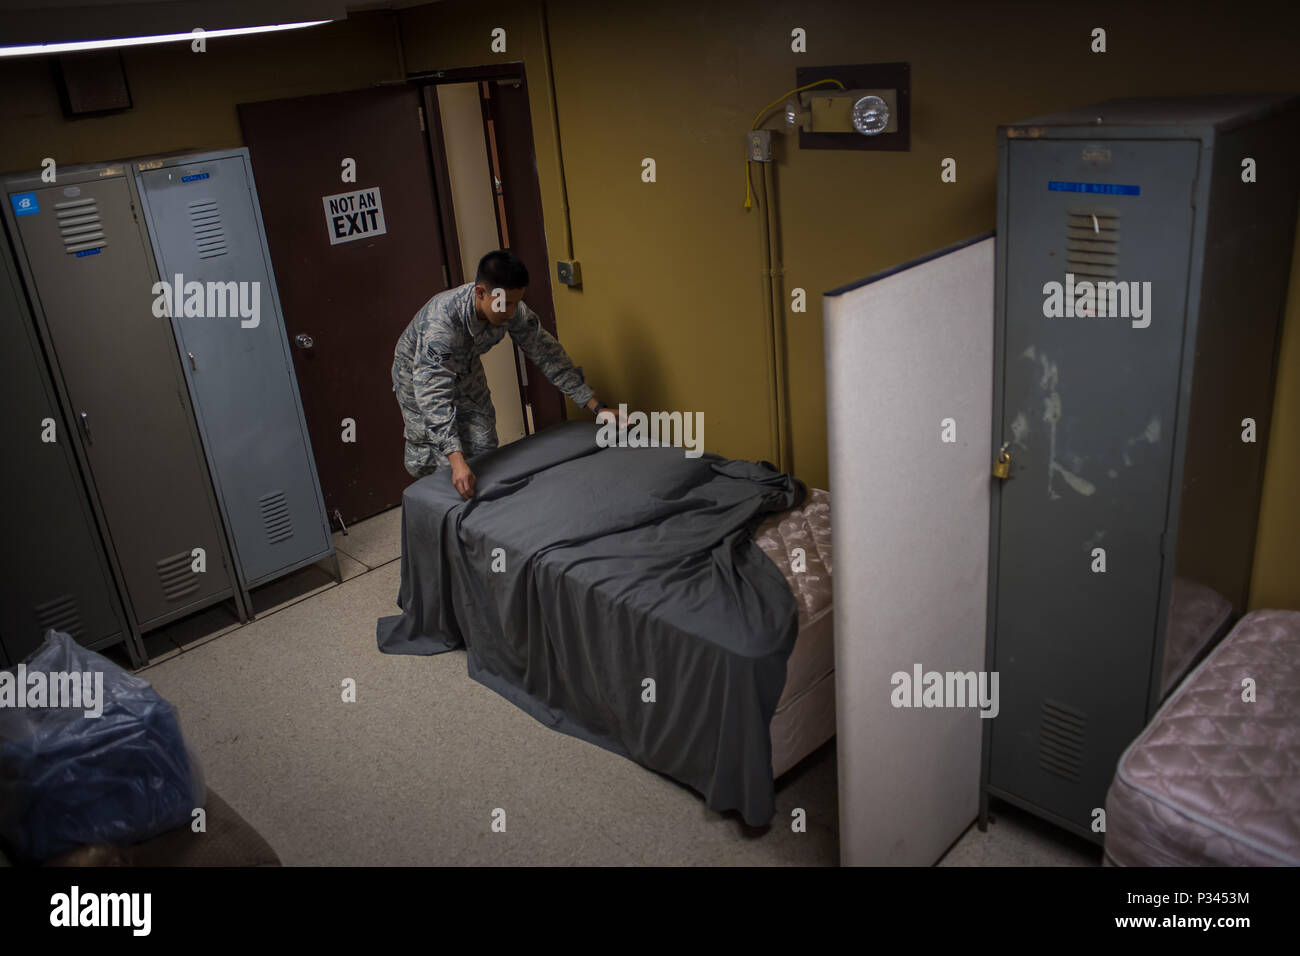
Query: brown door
[[519, 205], [353, 261]]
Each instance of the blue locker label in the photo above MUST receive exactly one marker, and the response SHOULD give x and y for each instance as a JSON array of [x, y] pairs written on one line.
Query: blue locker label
[[193, 176], [25, 204], [1106, 189], [88, 252]]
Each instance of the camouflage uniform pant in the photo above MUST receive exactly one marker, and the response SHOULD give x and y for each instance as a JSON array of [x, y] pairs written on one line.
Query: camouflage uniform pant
[[476, 424]]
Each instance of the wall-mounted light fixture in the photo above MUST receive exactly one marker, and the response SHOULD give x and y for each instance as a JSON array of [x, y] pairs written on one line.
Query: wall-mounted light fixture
[[870, 112], [796, 115]]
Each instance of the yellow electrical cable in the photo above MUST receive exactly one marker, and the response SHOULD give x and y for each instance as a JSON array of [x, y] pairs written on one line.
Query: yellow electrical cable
[[782, 97], [749, 188]]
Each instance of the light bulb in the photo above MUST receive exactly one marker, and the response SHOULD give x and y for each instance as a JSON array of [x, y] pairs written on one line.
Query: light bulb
[[870, 115], [795, 116]]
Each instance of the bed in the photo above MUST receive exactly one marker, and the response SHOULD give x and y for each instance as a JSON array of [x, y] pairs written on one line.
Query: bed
[[1214, 780], [635, 598], [1198, 618], [805, 714]]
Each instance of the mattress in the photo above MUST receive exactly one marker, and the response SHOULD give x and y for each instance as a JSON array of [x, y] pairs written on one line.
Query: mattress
[[586, 582], [805, 714], [1215, 780], [1198, 617]]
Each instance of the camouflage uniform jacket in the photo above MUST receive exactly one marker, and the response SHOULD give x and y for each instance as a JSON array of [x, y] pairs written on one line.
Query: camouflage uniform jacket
[[439, 381]]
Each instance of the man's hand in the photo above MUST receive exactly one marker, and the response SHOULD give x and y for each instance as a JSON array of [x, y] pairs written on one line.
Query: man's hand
[[606, 414], [461, 477]]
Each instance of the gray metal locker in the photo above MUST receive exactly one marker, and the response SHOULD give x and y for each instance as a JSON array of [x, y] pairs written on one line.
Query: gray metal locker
[[202, 214], [53, 570], [1124, 430], [90, 275]]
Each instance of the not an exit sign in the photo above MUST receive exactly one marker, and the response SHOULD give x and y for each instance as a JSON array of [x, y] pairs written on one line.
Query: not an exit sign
[[354, 215]]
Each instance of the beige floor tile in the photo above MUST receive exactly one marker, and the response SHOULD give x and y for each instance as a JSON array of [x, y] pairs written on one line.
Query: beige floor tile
[[1017, 838], [375, 541], [410, 773]]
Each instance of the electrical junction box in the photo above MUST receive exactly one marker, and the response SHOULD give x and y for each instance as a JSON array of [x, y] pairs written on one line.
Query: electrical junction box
[[568, 272]]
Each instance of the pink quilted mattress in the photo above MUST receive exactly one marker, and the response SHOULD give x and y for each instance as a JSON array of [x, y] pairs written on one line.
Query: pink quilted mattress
[[805, 715], [1198, 616], [1215, 779]]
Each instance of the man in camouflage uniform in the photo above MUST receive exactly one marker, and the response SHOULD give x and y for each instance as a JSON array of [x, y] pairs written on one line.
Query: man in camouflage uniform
[[438, 376]]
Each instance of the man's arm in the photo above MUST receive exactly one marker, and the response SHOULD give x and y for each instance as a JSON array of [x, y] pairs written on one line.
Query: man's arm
[[434, 387], [435, 393], [548, 355]]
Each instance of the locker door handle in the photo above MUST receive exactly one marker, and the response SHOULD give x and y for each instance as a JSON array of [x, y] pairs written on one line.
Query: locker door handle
[[303, 341], [85, 428], [193, 366]]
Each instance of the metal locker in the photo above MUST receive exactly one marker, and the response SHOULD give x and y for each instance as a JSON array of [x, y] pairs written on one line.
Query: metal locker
[[91, 280], [1127, 467], [53, 570], [202, 214]]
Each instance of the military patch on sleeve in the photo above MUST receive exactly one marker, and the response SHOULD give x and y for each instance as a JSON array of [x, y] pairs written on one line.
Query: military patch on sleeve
[[435, 355]]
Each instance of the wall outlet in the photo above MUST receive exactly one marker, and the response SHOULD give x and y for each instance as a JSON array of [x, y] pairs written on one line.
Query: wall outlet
[[568, 272], [758, 145]]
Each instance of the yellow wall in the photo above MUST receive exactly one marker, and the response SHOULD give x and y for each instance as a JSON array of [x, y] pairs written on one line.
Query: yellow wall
[[671, 313], [1276, 581]]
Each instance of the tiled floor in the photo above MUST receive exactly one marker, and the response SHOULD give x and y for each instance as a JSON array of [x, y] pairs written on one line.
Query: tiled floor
[[412, 771]]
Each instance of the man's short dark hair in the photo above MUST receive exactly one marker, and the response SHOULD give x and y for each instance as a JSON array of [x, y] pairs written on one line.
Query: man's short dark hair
[[502, 269]]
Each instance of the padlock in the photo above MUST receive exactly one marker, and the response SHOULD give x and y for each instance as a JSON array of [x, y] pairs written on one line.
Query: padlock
[[1002, 464]]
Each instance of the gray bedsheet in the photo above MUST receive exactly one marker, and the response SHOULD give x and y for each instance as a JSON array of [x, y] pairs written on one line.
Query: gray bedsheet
[[620, 564]]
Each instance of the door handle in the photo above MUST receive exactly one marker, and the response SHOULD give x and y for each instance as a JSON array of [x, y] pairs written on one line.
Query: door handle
[[303, 341], [85, 428]]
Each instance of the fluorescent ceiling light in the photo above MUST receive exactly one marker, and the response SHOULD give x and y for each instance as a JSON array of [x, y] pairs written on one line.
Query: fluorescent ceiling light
[[37, 49]]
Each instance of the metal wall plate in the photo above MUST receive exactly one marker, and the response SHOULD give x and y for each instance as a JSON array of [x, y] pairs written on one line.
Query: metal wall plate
[[568, 272], [758, 145]]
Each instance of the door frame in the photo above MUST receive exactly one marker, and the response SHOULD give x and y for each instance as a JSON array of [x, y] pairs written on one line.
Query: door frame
[[364, 489], [428, 82]]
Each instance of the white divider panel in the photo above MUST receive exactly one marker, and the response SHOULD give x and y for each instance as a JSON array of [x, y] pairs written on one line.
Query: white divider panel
[[910, 521]]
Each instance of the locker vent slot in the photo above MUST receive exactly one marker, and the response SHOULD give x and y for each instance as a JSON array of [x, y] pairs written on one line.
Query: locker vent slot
[[62, 615], [1061, 735], [79, 225], [275, 517], [209, 233], [1092, 242], [177, 577]]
